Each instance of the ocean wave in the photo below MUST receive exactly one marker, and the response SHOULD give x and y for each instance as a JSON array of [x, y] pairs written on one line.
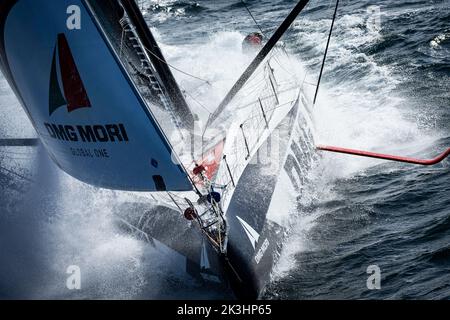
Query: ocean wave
[[439, 40]]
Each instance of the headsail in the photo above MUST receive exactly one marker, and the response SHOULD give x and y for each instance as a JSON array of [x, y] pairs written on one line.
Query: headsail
[[93, 105]]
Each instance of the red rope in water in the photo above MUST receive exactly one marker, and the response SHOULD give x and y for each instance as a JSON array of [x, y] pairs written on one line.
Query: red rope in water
[[369, 154]]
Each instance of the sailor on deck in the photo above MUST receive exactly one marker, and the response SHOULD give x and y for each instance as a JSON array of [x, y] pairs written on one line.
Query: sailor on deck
[[252, 42]]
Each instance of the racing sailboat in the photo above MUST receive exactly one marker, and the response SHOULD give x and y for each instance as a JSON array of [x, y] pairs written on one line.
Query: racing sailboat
[[108, 110]]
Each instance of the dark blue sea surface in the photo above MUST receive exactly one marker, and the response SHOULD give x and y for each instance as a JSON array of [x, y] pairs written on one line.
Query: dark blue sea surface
[[386, 87]]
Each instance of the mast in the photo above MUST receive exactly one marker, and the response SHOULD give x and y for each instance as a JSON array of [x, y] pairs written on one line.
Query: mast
[[160, 64], [259, 58]]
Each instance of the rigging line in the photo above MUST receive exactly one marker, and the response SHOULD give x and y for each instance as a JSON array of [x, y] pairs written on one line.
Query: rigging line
[[277, 61], [256, 87], [259, 27], [177, 69], [270, 110], [326, 52], [16, 174], [198, 102], [251, 104], [310, 83], [253, 87], [196, 91], [261, 56], [260, 90], [251, 15]]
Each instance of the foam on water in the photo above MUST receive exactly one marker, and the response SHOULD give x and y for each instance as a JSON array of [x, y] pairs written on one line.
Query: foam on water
[[74, 221], [358, 107], [59, 222], [12, 115], [218, 60]]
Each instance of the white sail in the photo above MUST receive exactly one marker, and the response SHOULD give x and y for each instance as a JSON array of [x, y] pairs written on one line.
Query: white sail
[[83, 95]]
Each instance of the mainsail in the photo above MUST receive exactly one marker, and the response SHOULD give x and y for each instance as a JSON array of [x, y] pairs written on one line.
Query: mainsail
[[98, 91]]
